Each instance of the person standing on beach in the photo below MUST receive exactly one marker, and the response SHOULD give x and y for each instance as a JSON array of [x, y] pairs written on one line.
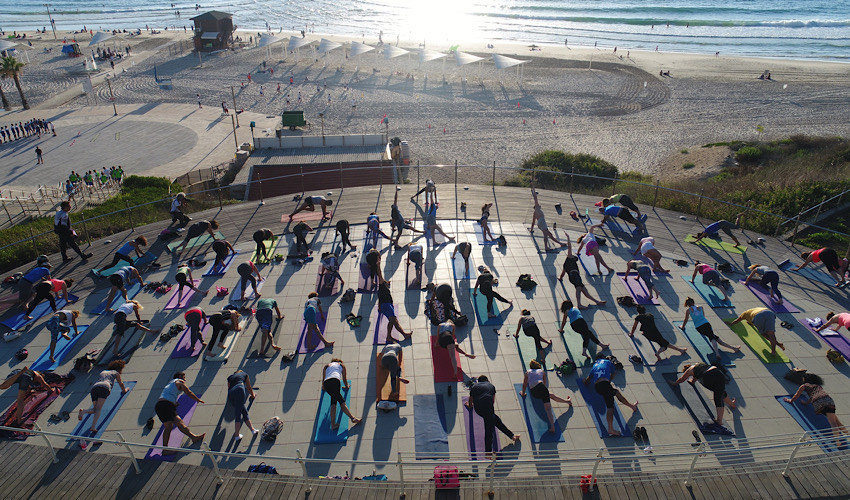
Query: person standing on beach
[[38, 155], [198, 96]]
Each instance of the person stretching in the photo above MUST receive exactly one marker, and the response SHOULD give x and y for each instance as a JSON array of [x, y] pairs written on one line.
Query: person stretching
[[601, 374], [373, 229], [343, 230], [486, 234], [260, 236], [27, 381], [644, 273], [239, 390], [650, 331], [838, 320], [591, 247], [465, 250], [431, 225], [222, 322], [710, 277], [264, 319], [570, 268], [624, 200], [43, 291], [722, 225], [391, 356], [414, 254], [373, 261], [821, 401], [482, 400], [310, 203], [125, 253], [769, 280], [703, 327], [100, 391], [118, 279], [58, 325], [329, 272], [539, 219], [613, 211], [195, 317], [334, 379], [529, 327], [122, 324], [398, 223], [312, 313], [712, 378], [444, 295], [166, 410], [246, 271], [646, 247], [537, 384], [447, 339], [485, 282], [222, 249], [430, 190], [764, 320], [837, 268], [578, 325], [386, 307], [183, 277], [301, 230], [197, 229]]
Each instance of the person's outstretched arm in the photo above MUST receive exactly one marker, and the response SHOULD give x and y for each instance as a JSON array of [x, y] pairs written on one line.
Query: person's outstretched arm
[[634, 327], [185, 388], [796, 395], [749, 277]]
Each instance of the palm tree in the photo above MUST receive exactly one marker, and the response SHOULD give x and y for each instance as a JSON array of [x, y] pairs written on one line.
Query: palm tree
[[6, 104], [11, 68]]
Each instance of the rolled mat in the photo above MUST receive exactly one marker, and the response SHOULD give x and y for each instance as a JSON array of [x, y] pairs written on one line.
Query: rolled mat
[[708, 293], [132, 291], [764, 295], [702, 346], [63, 348], [138, 262], [221, 268], [173, 303], [184, 348], [322, 287], [716, 244], [759, 344], [701, 410], [380, 321], [19, 320], [383, 384], [185, 410], [429, 427], [302, 339], [34, 405], [835, 339], [365, 284], [481, 310], [637, 289], [597, 408], [271, 245], [197, 241], [236, 294], [443, 364], [818, 425], [479, 234], [324, 434], [537, 420], [473, 424], [107, 413], [459, 268]]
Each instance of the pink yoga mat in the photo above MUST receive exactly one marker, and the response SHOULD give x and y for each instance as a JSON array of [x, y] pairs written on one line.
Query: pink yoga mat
[[637, 289], [187, 297], [474, 426], [364, 279], [764, 295], [184, 349], [302, 339], [410, 275], [443, 364], [303, 216], [185, 409], [380, 321]]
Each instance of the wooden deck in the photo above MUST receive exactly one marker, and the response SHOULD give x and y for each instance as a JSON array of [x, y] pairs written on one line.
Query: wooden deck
[[28, 473]]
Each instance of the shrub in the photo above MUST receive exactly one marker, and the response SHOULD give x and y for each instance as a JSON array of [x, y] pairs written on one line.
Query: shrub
[[748, 154], [550, 167], [684, 151], [686, 166]]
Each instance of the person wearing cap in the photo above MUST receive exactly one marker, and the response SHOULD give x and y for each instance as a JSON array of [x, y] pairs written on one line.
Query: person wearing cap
[[177, 212], [62, 228]]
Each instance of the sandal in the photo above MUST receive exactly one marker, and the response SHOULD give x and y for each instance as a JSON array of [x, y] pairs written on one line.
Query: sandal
[[65, 415], [787, 325]]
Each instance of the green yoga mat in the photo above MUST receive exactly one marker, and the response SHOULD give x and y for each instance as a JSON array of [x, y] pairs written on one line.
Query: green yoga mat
[[527, 350], [203, 239], [573, 341], [759, 344], [271, 245], [716, 244]]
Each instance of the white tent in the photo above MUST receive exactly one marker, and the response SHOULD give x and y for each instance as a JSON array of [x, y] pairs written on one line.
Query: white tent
[[429, 55], [462, 58], [268, 39], [393, 51], [358, 48], [504, 62], [6, 45], [326, 46], [100, 36], [296, 43]]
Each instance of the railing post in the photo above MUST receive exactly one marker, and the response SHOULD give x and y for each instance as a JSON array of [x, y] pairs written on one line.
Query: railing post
[[301, 171], [34, 245], [218, 475], [572, 177], [614, 184], [796, 226], [130, 452], [341, 182], [86, 229], [7, 212], [303, 468], [130, 216], [260, 186], [219, 197], [699, 204], [655, 200], [802, 440], [455, 180], [52, 451], [817, 214], [599, 460], [401, 475], [492, 491], [694, 463], [494, 173], [23, 210], [32, 196]]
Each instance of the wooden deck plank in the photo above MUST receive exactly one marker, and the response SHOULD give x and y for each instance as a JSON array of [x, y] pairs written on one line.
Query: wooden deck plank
[[75, 481], [28, 467], [824, 480]]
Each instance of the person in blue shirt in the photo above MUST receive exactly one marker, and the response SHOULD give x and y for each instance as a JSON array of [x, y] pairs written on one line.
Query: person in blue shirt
[[578, 325], [125, 252], [601, 374], [25, 284], [613, 211]]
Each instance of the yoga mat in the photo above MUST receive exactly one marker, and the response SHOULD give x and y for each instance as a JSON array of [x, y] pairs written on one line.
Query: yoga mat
[[195, 242], [711, 296], [236, 293], [459, 268], [321, 284], [410, 276], [380, 321], [271, 246], [759, 344], [364, 279], [324, 434], [702, 346], [230, 339], [818, 425], [537, 420], [187, 297], [138, 262], [305, 216], [429, 427], [588, 262], [716, 244], [701, 409], [34, 405], [132, 291], [383, 385], [473, 424], [637, 289], [597, 408], [443, 364], [835, 339], [107, 413], [185, 410], [183, 347], [130, 342], [367, 243], [481, 310], [222, 268], [302, 339], [437, 236], [814, 274], [573, 342], [764, 295], [63, 347], [479, 234], [18, 321], [527, 350], [644, 347]]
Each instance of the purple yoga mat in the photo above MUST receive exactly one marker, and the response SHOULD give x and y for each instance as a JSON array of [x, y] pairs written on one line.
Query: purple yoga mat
[[838, 341], [474, 426], [764, 295], [187, 297], [637, 289], [380, 321], [326, 291], [302, 339], [183, 349], [364, 281], [185, 409], [410, 275]]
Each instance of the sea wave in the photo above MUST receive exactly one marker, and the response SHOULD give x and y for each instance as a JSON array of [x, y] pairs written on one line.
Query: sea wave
[[786, 23]]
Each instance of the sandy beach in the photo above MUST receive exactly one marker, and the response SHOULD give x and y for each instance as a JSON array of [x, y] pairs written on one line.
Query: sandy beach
[[578, 99]]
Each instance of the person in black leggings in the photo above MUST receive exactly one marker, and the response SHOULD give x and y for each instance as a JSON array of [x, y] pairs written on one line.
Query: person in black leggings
[[196, 230], [43, 291], [222, 249], [837, 267], [485, 282], [465, 249], [650, 332], [342, 228], [260, 237], [222, 322], [529, 327], [373, 260], [122, 324], [27, 380], [118, 280], [713, 379], [579, 325], [246, 271], [482, 398], [301, 230], [443, 293]]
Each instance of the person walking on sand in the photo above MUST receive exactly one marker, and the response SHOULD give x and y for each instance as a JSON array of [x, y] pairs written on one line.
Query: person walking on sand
[[198, 96], [539, 219], [535, 383], [334, 379], [601, 374], [166, 410]]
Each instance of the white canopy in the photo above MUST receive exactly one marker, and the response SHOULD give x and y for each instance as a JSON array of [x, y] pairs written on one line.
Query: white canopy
[[6, 45], [393, 51], [268, 39], [463, 58], [326, 46], [209, 35], [100, 36], [503, 62], [429, 55], [297, 43], [358, 48]]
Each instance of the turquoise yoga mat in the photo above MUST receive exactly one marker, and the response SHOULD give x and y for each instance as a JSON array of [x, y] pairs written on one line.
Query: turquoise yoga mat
[[703, 347], [481, 311], [107, 413], [324, 434], [138, 262], [132, 291], [536, 419], [709, 293]]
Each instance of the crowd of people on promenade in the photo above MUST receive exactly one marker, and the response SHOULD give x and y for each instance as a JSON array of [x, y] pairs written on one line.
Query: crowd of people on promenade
[[21, 130]]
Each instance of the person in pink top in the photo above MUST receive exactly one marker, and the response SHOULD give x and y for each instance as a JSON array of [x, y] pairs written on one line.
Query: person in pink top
[[839, 320], [835, 266], [710, 277]]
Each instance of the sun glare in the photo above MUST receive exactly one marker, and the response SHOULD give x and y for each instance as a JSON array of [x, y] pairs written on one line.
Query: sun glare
[[441, 21]]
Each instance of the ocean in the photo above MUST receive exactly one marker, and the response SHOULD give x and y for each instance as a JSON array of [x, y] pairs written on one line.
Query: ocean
[[805, 29]]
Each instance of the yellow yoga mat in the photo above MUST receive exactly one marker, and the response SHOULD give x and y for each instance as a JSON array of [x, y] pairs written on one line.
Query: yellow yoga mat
[[759, 344], [717, 244]]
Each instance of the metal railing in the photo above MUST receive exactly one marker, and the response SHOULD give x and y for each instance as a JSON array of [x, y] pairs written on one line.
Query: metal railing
[[677, 462], [19, 206]]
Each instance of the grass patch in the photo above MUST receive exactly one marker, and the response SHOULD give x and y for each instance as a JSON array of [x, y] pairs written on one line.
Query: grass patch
[[689, 165], [684, 151]]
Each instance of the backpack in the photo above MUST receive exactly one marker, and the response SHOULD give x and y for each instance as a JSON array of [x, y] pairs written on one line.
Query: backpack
[[348, 296], [352, 320], [525, 282], [435, 311], [626, 301], [566, 367], [22, 354], [221, 291], [446, 477], [85, 362], [271, 428], [262, 468], [461, 320], [503, 242]]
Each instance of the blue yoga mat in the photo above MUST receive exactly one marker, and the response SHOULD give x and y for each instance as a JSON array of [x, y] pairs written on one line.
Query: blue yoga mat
[[146, 258], [647, 350], [536, 419], [805, 415], [107, 413], [132, 291], [324, 434], [479, 234], [19, 320], [701, 410], [816, 275], [367, 242], [459, 268], [596, 406], [63, 347], [429, 427], [221, 269], [702, 346], [481, 310], [710, 294]]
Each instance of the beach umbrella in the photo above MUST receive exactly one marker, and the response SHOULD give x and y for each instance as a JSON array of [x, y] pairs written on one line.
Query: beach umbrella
[[462, 59], [100, 36], [326, 46], [358, 48], [6, 45], [266, 40], [296, 43], [429, 55], [392, 51], [504, 62]]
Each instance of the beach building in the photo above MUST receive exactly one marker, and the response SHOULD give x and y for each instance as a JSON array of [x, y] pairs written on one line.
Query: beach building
[[213, 30]]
